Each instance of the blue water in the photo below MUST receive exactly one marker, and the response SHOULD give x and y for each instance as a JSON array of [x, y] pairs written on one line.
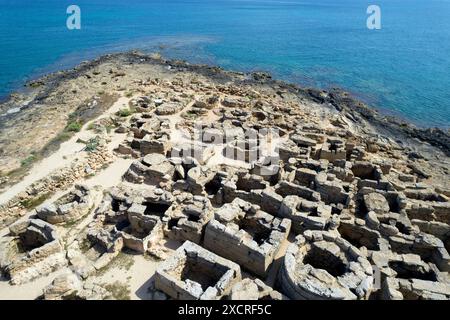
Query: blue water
[[402, 69]]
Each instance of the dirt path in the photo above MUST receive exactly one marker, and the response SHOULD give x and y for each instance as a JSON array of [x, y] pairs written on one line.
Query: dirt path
[[66, 154]]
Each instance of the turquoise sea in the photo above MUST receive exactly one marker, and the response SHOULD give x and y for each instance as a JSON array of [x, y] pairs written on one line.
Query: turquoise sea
[[402, 69]]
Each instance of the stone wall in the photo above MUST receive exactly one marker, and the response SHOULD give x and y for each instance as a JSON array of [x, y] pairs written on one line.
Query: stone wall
[[195, 273], [31, 250], [246, 235]]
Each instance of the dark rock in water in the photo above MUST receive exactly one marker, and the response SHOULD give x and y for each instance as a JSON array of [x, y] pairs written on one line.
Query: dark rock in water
[[415, 155], [435, 137], [316, 95], [261, 76]]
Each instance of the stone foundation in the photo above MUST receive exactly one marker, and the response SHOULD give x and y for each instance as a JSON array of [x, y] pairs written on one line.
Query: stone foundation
[[193, 273], [187, 218], [243, 233], [142, 231], [323, 266], [70, 207], [31, 250]]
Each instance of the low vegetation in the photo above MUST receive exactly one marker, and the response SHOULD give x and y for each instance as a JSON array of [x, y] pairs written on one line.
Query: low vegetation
[[32, 203], [91, 126], [92, 144], [28, 161], [118, 290], [190, 114], [83, 114], [124, 260], [125, 112], [74, 126]]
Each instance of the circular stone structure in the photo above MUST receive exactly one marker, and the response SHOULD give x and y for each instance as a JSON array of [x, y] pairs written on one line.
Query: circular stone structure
[[70, 207], [320, 265]]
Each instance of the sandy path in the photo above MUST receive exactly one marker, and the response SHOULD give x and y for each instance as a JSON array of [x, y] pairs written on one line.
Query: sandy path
[[67, 153]]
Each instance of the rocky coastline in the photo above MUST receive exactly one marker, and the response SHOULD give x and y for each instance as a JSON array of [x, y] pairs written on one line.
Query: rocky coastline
[[39, 89], [222, 184]]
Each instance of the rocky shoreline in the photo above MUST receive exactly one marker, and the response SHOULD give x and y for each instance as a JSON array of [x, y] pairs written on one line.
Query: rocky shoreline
[[341, 100], [239, 186]]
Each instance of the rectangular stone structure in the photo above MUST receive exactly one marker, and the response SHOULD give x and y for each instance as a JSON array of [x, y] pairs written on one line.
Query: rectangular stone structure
[[194, 273], [246, 235]]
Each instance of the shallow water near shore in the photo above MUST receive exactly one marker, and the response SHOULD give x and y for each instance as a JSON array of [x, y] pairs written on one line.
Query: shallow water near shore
[[401, 69]]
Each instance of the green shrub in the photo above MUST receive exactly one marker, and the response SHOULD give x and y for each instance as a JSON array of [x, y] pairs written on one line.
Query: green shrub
[[28, 161], [124, 112], [74, 126], [109, 127], [92, 144]]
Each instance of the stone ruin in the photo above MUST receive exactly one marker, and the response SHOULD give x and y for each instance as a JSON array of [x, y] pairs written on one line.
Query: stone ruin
[[68, 286], [254, 289], [429, 211], [323, 266], [335, 211], [387, 213], [31, 249], [247, 235], [245, 186], [93, 250], [126, 218], [198, 181], [142, 231], [354, 221], [305, 214], [187, 218], [144, 103], [135, 215], [197, 152], [407, 276], [70, 207], [160, 102], [193, 273], [333, 149], [169, 108], [311, 195], [152, 169], [358, 233], [146, 135], [144, 216]]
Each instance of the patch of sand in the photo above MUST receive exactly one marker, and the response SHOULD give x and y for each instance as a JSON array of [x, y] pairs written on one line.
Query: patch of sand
[[139, 276], [27, 291]]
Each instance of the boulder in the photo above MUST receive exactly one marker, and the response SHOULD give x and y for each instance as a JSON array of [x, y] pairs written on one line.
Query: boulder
[[376, 202]]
